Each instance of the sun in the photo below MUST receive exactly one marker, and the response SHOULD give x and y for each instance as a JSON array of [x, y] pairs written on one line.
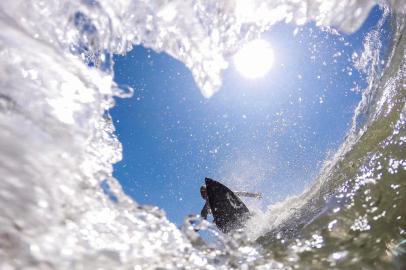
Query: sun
[[254, 59]]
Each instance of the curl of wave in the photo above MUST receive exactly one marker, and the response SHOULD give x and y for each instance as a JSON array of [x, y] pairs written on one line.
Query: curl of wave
[[57, 143]]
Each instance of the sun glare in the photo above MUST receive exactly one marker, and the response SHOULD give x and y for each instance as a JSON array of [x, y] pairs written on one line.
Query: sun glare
[[254, 59]]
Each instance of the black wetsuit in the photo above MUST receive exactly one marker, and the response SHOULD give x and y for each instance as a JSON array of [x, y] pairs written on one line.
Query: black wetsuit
[[206, 210], [228, 211]]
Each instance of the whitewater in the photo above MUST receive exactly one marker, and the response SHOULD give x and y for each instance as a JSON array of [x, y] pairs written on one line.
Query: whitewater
[[58, 143]]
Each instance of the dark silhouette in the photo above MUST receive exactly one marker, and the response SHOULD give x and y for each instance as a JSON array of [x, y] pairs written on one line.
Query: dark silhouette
[[228, 211]]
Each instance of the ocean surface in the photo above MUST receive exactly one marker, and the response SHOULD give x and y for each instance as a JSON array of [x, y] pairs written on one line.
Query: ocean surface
[[62, 209]]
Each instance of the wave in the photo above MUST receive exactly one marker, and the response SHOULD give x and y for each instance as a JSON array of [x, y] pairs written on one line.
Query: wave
[[58, 144]]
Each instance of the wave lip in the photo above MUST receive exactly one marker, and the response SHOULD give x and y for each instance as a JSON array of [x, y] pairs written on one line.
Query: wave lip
[[58, 144]]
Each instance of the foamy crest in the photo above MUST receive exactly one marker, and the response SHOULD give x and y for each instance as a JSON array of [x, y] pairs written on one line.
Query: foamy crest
[[57, 141]]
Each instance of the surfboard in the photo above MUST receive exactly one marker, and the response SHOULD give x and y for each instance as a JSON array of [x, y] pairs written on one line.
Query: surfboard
[[229, 212]]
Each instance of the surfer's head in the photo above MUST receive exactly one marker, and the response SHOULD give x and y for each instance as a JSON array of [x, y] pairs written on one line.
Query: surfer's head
[[203, 192]]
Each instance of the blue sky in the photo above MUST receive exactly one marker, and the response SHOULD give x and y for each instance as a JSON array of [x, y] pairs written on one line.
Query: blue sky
[[268, 135]]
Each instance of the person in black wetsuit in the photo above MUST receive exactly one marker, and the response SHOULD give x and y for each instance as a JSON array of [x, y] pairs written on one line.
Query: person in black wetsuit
[[206, 210]]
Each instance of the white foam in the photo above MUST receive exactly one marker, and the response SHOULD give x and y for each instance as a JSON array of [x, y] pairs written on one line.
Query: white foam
[[58, 145]]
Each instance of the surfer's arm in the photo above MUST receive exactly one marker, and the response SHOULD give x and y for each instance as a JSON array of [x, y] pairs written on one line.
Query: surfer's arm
[[248, 194], [205, 211]]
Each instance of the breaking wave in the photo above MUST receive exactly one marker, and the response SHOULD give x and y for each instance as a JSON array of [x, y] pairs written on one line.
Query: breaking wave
[[57, 141]]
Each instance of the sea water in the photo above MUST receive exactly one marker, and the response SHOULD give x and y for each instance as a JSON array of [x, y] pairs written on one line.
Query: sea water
[[57, 141]]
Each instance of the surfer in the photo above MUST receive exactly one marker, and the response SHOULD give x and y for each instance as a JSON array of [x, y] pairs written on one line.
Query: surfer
[[206, 210]]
